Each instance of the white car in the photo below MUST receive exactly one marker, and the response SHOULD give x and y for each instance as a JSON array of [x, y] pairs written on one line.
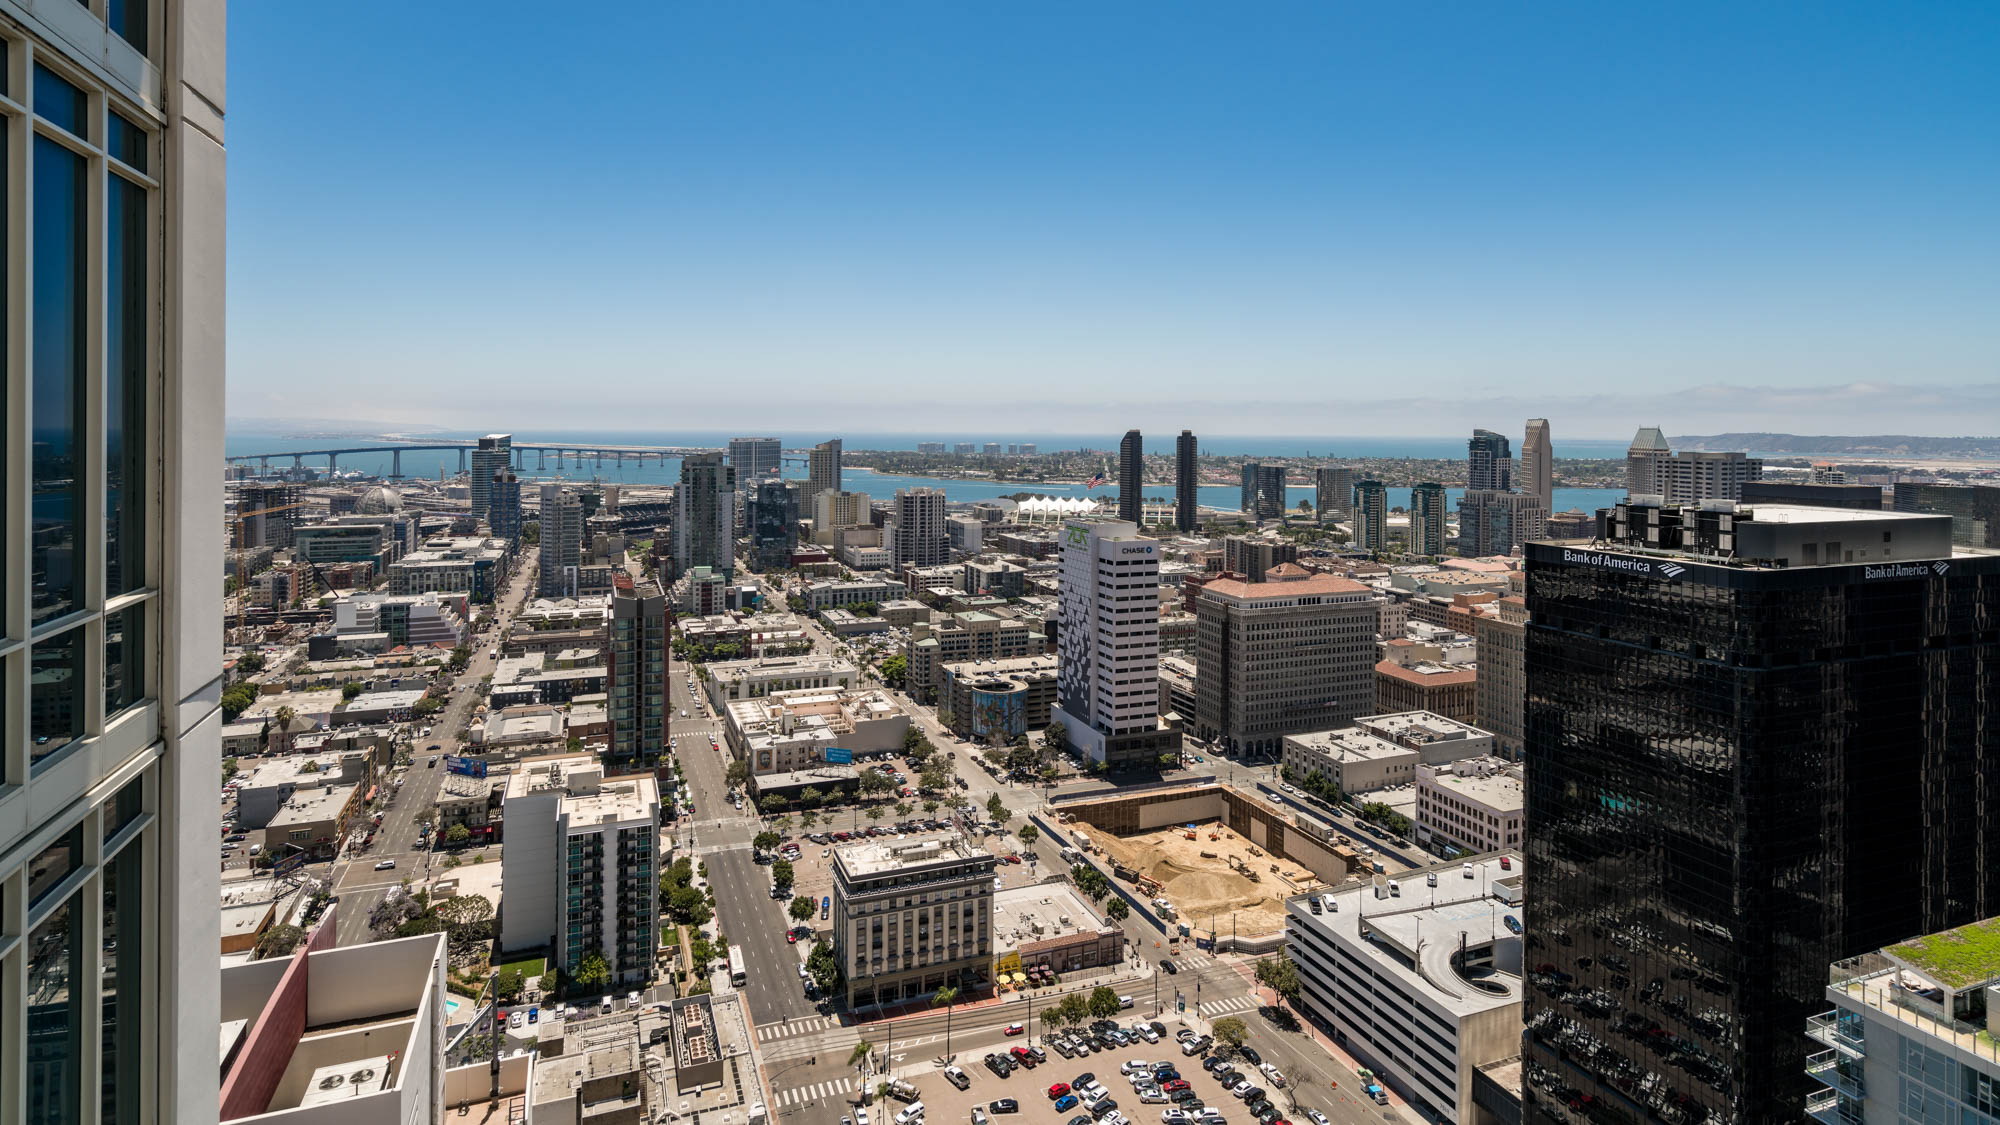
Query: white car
[[860, 1116], [518, 1020], [1272, 1072], [1135, 1066], [1174, 1117], [1317, 1118], [631, 999]]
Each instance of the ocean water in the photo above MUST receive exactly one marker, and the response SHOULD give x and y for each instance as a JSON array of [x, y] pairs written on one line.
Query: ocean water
[[430, 463]]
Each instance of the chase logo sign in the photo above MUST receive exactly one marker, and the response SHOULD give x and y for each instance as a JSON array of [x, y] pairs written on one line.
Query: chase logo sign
[[1629, 565]]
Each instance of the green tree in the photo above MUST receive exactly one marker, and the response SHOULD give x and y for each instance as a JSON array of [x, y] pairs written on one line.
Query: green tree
[[460, 657], [574, 744], [895, 669], [772, 804], [1055, 736], [995, 807], [810, 797], [458, 835], [765, 841], [349, 690], [236, 699], [930, 804], [279, 941], [781, 824], [946, 996], [1090, 881], [507, 984], [1279, 975], [229, 768], [1117, 911], [736, 773], [875, 781], [823, 968], [802, 908], [1029, 834], [250, 663], [781, 873], [807, 819], [1103, 1002], [904, 808], [591, 973], [875, 812], [935, 775], [1229, 1031]]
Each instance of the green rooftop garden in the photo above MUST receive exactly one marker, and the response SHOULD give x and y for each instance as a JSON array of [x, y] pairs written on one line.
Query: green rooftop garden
[[1957, 958]]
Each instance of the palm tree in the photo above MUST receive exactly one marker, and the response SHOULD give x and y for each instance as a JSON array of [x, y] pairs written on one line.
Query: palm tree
[[858, 1059], [946, 996]]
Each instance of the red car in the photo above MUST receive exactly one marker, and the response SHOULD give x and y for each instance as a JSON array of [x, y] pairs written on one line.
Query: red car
[[791, 937], [1174, 1086], [1058, 1090], [1014, 1029]]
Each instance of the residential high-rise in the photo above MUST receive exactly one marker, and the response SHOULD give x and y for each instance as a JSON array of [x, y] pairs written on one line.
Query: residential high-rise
[[263, 514], [1494, 523], [755, 458], [1427, 523], [705, 515], [835, 509], [503, 506], [822, 470], [1653, 469], [113, 507], [1132, 477], [1252, 556], [1489, 462], [1186, 485], [561, 550], [637, 705], [1746, 762], [774, 525], [921, 537], [1538, 466], [1263, 491], [1109, 643], [1293, 653], [1502, 684], [582, 871], [493, 455], [1371, 516], [1333, 494]]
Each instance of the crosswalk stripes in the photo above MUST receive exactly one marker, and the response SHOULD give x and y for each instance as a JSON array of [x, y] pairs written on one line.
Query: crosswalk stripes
[[1232, 1004], [792, 1027], [815, 1092]]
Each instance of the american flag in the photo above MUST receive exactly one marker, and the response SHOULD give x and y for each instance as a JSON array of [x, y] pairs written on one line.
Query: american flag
[[1093, 482]]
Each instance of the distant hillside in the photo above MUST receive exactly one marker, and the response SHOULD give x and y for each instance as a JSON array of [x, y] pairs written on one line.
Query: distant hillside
[[1872, 445]]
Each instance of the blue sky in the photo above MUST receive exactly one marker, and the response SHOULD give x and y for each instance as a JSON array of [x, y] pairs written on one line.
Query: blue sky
[[1282, 217]]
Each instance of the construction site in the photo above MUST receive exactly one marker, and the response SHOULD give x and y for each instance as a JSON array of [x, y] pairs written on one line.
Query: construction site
[[1209, 857]]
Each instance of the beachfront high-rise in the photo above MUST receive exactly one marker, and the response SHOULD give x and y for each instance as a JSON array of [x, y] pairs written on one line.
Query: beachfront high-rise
[[822, 470], [1185, 484], [1333, 494], [1131, 477], [111, 624]]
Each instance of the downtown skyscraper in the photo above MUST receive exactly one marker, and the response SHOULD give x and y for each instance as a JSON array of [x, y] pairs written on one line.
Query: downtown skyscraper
[[822, 470], [1427, 523], [636, 682], [1186, 484], [1132, 477], [1751, 755], [1537, 477], [1489, 462], [493, 456], [705, 515]]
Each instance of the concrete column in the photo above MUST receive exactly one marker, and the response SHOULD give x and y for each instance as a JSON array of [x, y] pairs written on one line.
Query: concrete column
[[396, 464], [461, 460], [332, 463]]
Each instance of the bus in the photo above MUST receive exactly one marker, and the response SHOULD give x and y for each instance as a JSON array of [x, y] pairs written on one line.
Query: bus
[[736, 974]]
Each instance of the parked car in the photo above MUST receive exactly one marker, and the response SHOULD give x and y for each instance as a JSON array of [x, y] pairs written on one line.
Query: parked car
[[385, 865], [1004, 1105]]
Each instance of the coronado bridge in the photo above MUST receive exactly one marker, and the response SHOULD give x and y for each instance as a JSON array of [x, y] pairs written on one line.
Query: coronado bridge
[[564, 454]]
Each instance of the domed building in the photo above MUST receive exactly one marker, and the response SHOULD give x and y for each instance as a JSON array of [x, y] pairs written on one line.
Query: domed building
[[379, 501]]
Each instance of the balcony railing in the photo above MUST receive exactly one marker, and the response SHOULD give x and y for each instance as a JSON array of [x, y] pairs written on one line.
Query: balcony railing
[[1833, 1108], [1832, 1030], [1837, 1071]]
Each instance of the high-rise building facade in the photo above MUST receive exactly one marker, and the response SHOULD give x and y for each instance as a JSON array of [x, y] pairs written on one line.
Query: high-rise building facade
[[705, 515], [263, 514], [1333, 493], [582, 865], [755, 458], [1654, 469], [1494, 523], [1746, 762], [1109, 643], [1131, 477], [1427, 522], [1293, 653], [1489, 462], [822, 469], [111, 628], [493, 455], [835, 509], [893, 946], [637, 705], [1187, 494], [1974, 509], [1263, 491], [774, 525], [921, 537], [1252, 556], [1371, 516], [1538, 464], [561, 548], [503, 506], [1502, 685]]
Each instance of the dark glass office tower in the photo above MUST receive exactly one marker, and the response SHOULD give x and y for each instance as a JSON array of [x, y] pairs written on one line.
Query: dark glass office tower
[[1974, 508], [1131, 477], [1185, 483], [1757, 742], [1489, 462]]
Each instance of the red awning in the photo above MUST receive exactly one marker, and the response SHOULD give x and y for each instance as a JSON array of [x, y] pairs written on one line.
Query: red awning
[[371, 792]]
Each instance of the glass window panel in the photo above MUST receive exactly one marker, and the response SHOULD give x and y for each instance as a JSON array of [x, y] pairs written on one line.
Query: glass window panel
[[60, 102], [125, 480], [127, 141], [126, 807], [124, 1005], [124, 658], [55, 1018], [55, 695], [54, 863], [128, 19], [60, 270]]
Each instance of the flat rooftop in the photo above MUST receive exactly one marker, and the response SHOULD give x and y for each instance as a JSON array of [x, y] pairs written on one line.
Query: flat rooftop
[[1958, 959], [1496, 790], [881, 855], [1038, 912], [1419, 727], [1349, 744]]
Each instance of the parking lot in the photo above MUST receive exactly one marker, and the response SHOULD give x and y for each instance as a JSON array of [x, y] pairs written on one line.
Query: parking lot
[[1125, 1074]]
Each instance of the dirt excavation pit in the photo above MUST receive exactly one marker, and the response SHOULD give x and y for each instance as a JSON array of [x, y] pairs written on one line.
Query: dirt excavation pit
[[1198, 878]]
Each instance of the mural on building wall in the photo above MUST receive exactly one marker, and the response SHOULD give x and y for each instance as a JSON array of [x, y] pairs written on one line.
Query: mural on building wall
[[1002, 713]]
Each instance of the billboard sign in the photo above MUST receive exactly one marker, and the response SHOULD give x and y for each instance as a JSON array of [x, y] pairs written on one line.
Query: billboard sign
[[470, 767], [289, 863], [840, 755]]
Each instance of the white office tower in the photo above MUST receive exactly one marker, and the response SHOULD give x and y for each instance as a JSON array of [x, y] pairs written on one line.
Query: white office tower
[[111, 624], [1538, 466], [1107, 679]]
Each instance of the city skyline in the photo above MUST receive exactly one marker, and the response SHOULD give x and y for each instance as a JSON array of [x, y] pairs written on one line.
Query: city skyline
[[1253, 220]]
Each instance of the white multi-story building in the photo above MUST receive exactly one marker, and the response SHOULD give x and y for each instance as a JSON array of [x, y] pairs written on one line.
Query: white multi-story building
[[582, 864], [1418, 976], [1473, 804], [111, 623], [1109, 643], [1913, 1035], [562, 542], [833, 508], [730, 680]]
